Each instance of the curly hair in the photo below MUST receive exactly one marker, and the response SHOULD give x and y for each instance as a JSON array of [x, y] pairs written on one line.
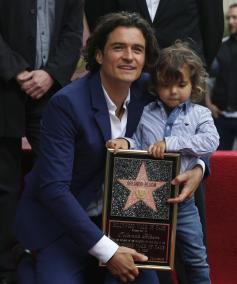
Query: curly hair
[[110, 22], [168, 69]]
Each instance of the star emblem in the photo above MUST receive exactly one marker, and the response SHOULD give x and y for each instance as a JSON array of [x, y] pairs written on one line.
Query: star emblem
[[141, 189]]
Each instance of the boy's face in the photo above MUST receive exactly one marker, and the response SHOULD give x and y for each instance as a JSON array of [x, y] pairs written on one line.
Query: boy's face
[[174, 94], [123, 57]]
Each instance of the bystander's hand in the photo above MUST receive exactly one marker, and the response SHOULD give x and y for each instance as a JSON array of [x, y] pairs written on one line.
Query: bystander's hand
[[23, 76], [122, 264], [35, 83]]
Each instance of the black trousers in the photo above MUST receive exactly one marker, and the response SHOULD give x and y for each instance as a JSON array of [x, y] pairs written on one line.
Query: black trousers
[[227, 129], [10, 180], [34, 110]]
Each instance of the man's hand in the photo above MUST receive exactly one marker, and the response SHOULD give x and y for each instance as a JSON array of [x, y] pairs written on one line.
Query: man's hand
[[157, 150], [36, 83], [190, 181], [23, 77], [122, 263], [118, 143]]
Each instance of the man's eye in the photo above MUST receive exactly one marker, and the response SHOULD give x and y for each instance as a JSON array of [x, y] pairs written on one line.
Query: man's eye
[[138, 50], [118, 47]]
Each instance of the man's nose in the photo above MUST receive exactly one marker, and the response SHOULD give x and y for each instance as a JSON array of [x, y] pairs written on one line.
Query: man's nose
[[128, 54]]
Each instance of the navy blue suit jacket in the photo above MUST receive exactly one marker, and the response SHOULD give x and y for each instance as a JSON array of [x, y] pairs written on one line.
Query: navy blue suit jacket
[[70, 169]]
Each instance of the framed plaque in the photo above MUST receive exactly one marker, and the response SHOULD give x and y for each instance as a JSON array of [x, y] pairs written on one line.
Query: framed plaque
[[136, 213]]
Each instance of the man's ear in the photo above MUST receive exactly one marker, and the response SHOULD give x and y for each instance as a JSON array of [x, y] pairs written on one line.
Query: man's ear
[[99, 56]]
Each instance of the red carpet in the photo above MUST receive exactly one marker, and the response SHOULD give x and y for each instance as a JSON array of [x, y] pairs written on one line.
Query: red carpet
[[221, 200]]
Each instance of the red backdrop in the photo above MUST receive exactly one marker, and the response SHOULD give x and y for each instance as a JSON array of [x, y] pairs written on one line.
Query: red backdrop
[[221, 201]]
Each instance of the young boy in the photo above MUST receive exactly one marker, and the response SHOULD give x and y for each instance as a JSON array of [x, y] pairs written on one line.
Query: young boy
[[174, 123]]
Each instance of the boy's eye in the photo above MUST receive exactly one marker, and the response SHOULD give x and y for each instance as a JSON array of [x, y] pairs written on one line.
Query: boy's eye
[[182, 84]]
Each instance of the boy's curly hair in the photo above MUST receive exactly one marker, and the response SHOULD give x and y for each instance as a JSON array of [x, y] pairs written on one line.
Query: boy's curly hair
[[170, 62]]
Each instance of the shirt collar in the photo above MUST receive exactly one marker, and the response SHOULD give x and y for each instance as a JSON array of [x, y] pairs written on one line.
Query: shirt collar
[[110, 103], [184, 106]]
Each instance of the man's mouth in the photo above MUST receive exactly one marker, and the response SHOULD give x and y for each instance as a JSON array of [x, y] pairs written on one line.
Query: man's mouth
[[126, 67]]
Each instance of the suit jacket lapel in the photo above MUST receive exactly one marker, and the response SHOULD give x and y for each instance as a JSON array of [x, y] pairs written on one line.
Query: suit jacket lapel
[[160, 10], [135, 109], [144, 10], [99, 105]]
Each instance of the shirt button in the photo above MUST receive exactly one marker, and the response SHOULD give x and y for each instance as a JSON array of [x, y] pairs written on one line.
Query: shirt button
[[32, 11]]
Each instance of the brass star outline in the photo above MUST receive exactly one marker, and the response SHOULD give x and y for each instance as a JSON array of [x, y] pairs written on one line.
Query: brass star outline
[[141, 189]]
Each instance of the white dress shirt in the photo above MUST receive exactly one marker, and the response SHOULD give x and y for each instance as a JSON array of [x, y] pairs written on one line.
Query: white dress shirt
[[152, 6], [105, 248]]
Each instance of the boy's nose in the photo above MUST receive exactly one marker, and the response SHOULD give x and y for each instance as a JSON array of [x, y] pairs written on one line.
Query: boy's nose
[[173, 89]]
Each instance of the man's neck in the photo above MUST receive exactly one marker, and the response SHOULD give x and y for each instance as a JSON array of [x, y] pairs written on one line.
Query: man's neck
[[117, 91]]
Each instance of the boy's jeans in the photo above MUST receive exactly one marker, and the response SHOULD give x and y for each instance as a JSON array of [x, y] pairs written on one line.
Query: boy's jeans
[[189, 240]]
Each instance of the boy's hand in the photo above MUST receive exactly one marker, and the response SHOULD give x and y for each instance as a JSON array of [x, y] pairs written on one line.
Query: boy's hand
[[118, 143], [157, 150]]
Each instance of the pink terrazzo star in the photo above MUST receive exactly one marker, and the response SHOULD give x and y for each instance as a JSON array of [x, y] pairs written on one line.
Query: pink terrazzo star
[[141, 189]]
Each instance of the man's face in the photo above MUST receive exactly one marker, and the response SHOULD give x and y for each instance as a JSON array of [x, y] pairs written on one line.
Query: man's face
[[123, 57], [232, 20]]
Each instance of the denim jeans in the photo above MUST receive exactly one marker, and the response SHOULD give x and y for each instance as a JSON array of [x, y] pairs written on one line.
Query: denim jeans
[[189, 240]]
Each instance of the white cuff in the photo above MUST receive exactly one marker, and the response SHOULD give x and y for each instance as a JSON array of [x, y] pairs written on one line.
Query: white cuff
[[202, 164], [104, 249]]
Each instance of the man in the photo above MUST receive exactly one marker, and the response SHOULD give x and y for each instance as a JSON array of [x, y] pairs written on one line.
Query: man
[[223, 102], [39, 48], [189, 20], [61, 202]]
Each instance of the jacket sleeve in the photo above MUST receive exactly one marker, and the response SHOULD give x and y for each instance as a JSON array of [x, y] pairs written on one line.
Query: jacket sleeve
[[59, 132], [11, 62], [63, 59], [212, 27]]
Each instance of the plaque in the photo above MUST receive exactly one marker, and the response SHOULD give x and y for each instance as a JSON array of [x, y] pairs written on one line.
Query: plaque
[[135, 212]]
